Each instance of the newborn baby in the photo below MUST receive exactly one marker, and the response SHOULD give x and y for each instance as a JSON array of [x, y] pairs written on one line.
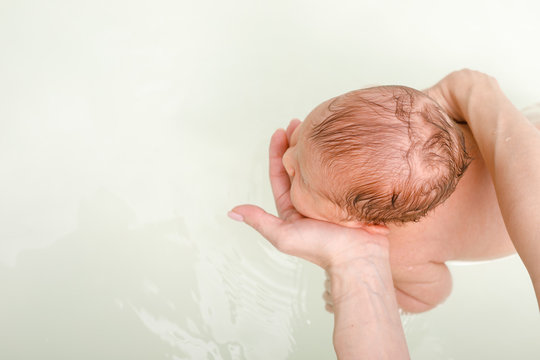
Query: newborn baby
[[386, 154], [390, 156]]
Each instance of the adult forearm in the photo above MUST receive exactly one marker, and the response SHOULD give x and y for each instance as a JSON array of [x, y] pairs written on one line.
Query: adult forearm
[[367, 323], [510, 146]]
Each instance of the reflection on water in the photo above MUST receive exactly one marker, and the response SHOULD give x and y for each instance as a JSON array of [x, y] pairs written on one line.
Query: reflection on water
[[112, 289]]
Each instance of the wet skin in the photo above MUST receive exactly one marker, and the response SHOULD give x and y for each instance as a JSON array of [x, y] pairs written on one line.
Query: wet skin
[[467, 226]]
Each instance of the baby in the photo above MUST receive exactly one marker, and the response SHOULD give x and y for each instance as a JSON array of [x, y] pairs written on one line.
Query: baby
[[386, 154], [390, 156]]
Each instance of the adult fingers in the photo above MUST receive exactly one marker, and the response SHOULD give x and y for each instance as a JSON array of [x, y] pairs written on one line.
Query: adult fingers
[[280, 234], [292, 126], [279, 179], [440, 94], [327, 297], [266, 224], [327, 294], [328, 285]]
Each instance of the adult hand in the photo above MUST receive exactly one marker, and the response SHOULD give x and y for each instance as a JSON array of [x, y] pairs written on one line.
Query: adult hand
[[322, 243], [510, 147], [454, 92], [357, 262]]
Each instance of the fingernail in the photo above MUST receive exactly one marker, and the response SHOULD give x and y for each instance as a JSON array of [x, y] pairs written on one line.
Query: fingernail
[[235, 216]]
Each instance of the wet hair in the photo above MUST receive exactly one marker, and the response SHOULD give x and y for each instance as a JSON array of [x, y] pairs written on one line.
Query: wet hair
[[391, 154]]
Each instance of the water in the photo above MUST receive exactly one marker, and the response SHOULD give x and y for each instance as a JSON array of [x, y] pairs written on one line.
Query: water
[[129, 129]]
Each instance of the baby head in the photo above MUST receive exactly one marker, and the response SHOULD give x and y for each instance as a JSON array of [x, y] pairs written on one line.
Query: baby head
[[387, 154]]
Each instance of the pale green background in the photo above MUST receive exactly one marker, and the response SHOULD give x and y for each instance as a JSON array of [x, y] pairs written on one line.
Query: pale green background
[[129, 128]]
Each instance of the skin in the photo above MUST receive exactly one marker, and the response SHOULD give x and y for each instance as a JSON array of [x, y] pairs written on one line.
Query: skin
[[473, 226], [510, 146], [303, 170], [357, 260]]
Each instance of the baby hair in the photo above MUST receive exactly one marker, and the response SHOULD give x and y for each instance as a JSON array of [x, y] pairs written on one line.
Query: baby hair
[[390, 152]]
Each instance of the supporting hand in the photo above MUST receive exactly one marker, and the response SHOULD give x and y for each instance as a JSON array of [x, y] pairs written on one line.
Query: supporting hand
[[356, 261], [455, 90], [322, 243]]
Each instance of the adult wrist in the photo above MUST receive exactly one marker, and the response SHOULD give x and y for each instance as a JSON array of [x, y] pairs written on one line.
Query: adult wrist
[[361, 276], [365, 255]]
